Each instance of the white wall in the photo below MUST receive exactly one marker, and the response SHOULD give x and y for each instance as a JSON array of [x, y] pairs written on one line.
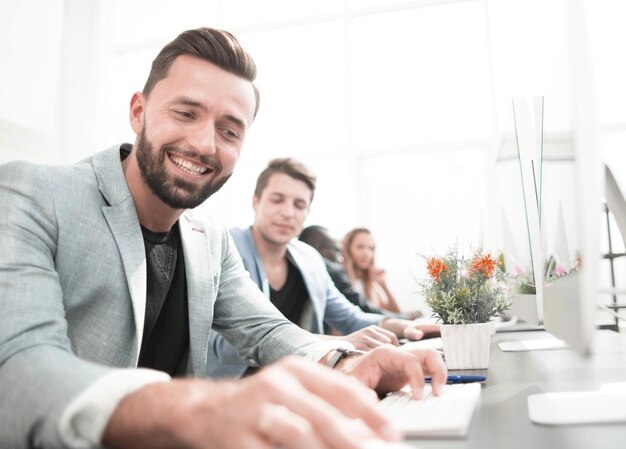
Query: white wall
[[401, 107]]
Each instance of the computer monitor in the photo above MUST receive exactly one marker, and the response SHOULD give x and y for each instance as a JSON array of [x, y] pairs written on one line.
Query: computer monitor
[[570, 230], [559, 194], [519, 173], [569, 301], [571, 218]]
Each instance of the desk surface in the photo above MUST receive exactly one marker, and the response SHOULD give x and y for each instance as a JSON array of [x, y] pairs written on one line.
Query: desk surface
[[501, 419]]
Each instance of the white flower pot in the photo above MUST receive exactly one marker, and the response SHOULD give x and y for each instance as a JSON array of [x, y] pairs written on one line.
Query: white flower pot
[[466, 346]]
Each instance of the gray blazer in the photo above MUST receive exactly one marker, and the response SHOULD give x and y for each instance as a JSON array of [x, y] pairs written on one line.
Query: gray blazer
[[73, 289]]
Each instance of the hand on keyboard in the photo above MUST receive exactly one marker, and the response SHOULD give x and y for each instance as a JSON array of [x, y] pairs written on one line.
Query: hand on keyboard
[[388, 368]]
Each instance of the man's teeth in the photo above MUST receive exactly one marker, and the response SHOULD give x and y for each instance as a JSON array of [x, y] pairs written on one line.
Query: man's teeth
[[188, 166]]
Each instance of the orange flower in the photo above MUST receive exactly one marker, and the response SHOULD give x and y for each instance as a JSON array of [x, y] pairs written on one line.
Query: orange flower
[[485, 265], [435, 267]]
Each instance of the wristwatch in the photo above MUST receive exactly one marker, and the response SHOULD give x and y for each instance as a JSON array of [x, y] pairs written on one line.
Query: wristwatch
[[342, 353]]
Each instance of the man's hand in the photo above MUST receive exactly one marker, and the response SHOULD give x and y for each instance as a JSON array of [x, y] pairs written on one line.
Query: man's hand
[[387, 368], [410, 329], [370, 337], [292, 404]]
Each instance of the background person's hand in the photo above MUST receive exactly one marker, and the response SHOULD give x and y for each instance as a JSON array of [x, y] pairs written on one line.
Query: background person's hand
[[411, 330], [388, 368], [413, 314], [370, 337], [378, 274], [294, 404]]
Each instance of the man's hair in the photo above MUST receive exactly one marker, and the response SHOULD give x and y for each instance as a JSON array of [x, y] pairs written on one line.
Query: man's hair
[[316, 236], [319, 238], [215, 46], [289, 167]]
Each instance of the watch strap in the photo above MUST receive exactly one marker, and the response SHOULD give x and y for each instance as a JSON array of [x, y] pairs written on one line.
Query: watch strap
[[342, 353]]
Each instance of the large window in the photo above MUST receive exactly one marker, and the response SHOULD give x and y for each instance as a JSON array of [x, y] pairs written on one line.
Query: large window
[[401, 107], [414, 80], [29, 101]]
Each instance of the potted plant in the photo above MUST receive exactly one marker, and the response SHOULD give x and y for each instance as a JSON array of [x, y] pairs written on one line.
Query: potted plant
[[465, 293]]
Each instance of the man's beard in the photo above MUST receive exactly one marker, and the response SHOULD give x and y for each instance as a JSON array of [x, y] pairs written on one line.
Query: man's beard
[[175, 192]]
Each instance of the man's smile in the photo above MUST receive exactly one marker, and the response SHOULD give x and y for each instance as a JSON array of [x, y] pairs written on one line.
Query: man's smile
[[187, 166]]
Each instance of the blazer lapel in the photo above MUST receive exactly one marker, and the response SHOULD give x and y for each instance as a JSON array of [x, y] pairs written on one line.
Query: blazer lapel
[[121, 217], [201, 287], [122, 220]]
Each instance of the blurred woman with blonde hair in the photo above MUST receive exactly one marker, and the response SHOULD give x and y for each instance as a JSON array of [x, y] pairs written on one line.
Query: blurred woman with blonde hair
[[358, 258]]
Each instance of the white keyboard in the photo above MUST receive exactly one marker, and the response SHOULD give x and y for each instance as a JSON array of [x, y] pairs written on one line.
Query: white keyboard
[[447, 415]]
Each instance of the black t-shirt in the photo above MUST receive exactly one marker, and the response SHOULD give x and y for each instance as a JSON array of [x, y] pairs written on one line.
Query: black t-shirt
[[165, 343], [292, 297]]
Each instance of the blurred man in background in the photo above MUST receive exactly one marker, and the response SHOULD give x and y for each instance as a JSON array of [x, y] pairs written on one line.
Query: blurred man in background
[[293, 275]]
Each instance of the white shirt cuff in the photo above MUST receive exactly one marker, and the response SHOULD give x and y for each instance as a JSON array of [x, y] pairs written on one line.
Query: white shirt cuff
[[83, 421], [317, 352]]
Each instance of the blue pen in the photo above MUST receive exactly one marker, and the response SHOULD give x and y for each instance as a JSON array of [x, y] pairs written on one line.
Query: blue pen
[[460, 379]]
